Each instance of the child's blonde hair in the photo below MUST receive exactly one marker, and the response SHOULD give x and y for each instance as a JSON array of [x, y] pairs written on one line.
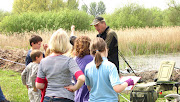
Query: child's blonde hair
[[47, 52], [59, 42]]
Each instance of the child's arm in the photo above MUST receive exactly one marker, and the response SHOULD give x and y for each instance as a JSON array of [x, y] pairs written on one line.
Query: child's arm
[[120, 87], [72, 37], [80, 82], [72, 30], [33, 76], [23, 76]]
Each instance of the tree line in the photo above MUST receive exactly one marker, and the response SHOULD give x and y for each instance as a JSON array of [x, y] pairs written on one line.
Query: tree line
[[28, 15], [20, 6]]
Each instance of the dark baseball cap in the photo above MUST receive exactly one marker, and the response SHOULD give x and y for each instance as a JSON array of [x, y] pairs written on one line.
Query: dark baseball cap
[[72, 40], [97, 20]]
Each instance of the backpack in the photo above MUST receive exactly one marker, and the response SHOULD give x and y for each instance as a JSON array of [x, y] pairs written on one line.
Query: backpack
[[143, 93]]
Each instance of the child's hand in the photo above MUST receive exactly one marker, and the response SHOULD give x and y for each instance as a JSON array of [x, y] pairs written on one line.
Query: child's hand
[[130, 82], [71, 88], [45, 46], [72, 28], [35, 89]]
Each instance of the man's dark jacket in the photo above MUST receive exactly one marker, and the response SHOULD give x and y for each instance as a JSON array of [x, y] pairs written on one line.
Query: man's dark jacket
[[110, 38]]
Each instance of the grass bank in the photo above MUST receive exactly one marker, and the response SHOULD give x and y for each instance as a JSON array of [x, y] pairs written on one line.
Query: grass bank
[[12, 86], [15, 91]]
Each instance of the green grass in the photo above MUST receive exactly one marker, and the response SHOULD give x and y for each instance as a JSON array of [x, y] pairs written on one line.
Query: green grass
[[12, 86], [15, 91]]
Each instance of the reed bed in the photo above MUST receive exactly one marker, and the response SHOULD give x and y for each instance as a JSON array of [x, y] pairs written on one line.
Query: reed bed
[[157, 40]]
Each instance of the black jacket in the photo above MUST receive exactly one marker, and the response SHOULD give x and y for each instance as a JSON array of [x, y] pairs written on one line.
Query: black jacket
[[110, 38]]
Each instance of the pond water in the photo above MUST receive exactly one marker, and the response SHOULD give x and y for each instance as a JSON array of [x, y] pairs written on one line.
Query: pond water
[[147, 62]]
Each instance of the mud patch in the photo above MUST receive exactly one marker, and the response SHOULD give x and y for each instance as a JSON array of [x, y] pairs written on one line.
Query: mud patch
[[15, 56]]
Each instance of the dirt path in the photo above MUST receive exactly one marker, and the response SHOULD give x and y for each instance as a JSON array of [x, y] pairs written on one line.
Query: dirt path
[[144, 66]]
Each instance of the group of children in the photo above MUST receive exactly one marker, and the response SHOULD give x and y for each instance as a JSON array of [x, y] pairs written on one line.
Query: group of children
[[29, 74], [53, 74]]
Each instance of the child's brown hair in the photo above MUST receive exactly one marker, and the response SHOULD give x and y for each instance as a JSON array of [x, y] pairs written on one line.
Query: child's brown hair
[[81, 46], [34, 54], [97, 46], [35, 39]]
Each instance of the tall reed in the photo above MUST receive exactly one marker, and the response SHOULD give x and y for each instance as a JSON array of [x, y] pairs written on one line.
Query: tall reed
[[155, 40], [132, 41]]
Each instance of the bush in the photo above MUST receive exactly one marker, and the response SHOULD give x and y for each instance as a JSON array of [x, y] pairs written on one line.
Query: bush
[[134, 15], [31, 21]]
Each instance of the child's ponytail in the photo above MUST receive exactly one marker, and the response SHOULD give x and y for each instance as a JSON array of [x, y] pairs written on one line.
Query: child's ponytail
[[98, 45], [98, 59]]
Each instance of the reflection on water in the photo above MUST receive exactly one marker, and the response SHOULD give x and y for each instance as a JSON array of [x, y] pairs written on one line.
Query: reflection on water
[[147, 62]]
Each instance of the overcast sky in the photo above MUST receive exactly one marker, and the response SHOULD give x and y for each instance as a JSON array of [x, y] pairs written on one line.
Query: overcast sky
[[6, 5]]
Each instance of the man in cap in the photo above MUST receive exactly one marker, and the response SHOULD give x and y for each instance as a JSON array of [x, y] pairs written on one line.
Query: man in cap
[[110, 38]]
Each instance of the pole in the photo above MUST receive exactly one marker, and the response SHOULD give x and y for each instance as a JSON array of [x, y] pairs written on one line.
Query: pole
[[12, 61], [126, 62]]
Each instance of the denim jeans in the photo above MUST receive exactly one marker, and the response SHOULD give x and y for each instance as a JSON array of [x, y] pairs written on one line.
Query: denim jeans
[[52, 99], [1, 95]]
